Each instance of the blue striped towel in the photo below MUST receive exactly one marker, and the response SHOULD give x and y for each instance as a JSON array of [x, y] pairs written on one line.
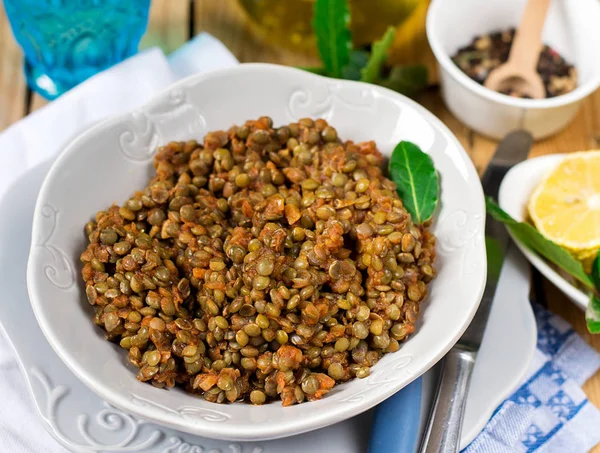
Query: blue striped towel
[[549, 413]]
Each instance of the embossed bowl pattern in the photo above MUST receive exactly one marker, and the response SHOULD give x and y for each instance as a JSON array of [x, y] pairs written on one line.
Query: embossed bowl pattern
[[114, 158]]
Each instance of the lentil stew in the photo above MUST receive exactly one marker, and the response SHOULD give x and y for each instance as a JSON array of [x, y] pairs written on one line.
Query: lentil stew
[[265, 263]]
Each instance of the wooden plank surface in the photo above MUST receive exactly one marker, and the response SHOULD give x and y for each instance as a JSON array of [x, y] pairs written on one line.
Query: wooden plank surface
[[581, 134], [169, 27], [12, 81]]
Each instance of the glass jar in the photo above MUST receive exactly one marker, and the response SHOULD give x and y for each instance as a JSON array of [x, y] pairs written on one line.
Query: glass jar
[[288, 23]]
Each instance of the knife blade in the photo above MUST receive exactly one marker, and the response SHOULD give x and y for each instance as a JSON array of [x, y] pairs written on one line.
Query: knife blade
[[442, 434]]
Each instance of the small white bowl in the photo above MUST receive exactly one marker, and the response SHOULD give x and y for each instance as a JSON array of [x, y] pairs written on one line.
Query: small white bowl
[[571, 29], [515, 191], [111, 160]]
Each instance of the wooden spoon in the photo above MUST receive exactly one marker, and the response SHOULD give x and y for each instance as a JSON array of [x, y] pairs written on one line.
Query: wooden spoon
[[519, 73]]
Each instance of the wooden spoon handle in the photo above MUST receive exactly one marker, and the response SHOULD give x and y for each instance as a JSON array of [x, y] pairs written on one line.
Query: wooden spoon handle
[[527, 43]]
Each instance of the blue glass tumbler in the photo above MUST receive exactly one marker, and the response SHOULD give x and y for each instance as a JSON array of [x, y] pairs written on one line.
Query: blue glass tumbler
[[67, 41]]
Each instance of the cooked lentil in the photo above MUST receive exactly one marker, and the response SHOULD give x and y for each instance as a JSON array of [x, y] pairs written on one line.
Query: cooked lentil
[[262, 264], [487, 52]]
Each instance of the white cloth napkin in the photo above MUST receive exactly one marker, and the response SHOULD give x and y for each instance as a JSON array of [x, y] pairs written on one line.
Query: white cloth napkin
[[119, 89], [41, 136]]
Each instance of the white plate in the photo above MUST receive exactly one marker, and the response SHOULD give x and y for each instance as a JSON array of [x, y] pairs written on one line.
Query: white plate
[[516, 190], [78, 418], [112, 159]]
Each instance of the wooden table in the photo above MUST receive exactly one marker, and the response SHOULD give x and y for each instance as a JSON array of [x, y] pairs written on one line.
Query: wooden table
[[172, 22]]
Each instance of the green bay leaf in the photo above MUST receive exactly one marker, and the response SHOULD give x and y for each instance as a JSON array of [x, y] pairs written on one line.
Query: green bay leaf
[[533, 239], [592, 315], [372, 70], [358, 60], [314, 69], [407, 80], [495, 257], [416, 180], [331, 21], [595, 274]]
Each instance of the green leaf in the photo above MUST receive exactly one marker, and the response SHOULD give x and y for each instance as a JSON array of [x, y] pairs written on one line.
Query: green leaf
[[533, 240], [596, 272], [331, 22], [371, 72], [407, 80], [495, 257], [416, 180], [358, 60], [313, 69], [592, 315]]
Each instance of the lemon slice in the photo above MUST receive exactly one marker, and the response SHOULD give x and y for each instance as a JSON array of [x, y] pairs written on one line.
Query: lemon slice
[[565, 207]]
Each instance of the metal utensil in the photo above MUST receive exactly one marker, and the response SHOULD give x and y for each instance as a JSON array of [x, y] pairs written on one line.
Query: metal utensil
[[442, 434]]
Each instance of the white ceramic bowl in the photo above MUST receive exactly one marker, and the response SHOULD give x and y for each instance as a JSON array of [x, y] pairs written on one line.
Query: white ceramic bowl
[[571, 28], [113, 159], [515, 191]]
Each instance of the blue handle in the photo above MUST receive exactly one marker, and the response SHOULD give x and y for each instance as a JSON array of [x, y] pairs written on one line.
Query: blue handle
[[396, 422]]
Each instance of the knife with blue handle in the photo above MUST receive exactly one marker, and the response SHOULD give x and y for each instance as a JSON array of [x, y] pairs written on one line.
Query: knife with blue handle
[[443, 430], [396, 421]]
